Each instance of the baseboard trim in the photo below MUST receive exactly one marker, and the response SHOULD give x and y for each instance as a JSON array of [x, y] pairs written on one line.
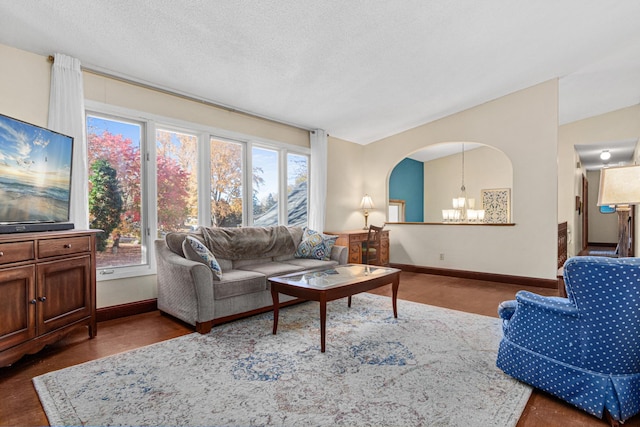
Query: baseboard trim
[[606, 245], [124, 310], [145, 306], [490, 277]]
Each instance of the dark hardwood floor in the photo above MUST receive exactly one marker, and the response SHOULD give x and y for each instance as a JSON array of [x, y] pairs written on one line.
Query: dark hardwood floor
[[20, 406]]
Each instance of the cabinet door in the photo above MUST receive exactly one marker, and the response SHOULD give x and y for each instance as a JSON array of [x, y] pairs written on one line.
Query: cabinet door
[[63, 292], [17, 305]]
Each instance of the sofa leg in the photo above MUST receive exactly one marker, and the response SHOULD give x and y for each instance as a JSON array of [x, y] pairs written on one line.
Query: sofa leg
[[204, 327]]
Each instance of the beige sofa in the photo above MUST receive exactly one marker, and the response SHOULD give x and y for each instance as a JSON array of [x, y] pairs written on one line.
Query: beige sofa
[[189, 290]]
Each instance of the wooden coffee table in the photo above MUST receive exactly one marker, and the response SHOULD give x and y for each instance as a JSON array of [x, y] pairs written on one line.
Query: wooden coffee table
[[330, 284]]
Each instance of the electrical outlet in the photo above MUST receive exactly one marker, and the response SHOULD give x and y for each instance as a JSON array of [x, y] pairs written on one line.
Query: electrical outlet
[[441, 257]]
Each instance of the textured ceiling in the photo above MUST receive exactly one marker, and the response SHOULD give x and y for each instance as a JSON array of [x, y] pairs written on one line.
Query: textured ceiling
[[362, 70]]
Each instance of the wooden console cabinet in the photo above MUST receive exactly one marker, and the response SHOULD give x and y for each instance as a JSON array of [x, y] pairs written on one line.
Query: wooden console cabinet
[[47, 287], [354, 239]]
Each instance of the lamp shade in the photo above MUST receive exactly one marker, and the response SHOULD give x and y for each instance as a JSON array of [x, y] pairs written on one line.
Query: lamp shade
[[619, 186], [366, 202]]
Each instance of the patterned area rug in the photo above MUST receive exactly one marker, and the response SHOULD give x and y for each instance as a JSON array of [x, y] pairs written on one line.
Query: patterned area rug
[[429, 367]]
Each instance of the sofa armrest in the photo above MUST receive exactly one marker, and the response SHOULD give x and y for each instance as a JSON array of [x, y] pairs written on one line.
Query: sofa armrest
[[185, 287], [340, 254]]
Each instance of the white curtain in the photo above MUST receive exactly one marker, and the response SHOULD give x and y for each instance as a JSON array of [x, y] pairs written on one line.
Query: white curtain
[[318, 179], [66, 115]]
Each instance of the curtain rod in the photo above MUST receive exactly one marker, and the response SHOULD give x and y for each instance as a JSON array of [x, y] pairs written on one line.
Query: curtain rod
[[51, 59]]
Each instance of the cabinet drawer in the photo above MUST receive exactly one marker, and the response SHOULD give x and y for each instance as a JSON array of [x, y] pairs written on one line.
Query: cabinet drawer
[[65, 246], [17, 251]]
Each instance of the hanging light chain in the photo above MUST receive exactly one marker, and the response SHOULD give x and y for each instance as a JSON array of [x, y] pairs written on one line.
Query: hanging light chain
[[462, 188]]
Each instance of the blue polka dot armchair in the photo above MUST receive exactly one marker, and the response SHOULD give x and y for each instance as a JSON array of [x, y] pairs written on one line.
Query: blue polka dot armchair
[[585, 348]]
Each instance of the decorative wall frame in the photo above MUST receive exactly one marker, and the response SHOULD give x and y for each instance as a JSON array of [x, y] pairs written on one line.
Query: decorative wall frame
[[496, 203]]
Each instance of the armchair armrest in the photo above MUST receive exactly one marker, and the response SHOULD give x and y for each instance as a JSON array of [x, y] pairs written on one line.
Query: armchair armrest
[[557, 305]]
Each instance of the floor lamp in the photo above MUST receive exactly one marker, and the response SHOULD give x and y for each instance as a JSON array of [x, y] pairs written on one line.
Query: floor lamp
[[620, 188]]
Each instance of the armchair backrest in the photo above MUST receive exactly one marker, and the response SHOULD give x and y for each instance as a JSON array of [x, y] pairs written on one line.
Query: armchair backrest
[[606, 292]]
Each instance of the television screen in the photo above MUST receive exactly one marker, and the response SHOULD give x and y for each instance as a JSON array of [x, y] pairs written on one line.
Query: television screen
[[35, 173]]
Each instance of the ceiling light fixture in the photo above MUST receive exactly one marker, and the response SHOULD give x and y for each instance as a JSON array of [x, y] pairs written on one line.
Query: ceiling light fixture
[[605, 155], [463, 207]]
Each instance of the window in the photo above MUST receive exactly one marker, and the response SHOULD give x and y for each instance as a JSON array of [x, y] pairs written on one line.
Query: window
[[115, 188], [177, 181], [297, 194], [226, 183], [191, 176], [265, 186]]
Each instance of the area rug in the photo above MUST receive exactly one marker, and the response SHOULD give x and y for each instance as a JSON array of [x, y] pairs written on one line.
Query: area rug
[[429, 367]]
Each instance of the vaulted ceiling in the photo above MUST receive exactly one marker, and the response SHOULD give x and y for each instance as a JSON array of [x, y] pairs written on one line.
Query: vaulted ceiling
[[362, 70]]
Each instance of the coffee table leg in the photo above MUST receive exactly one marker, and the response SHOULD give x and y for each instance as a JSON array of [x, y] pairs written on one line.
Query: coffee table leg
[[323, 322], [276, 303], [396, 284]]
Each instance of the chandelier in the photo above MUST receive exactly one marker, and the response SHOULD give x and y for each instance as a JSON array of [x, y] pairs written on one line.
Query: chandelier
[[463, 207]]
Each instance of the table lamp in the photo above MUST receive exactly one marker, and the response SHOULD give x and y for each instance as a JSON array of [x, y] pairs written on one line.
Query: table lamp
[[620, 188], [366, 204]]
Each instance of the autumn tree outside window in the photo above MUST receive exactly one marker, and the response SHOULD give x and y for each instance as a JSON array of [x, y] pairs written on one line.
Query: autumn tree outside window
[[183, 179]]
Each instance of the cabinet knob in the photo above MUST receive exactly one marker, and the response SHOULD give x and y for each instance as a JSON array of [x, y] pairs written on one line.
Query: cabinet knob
[[33, 301], [1, 253], [42, 299], [67, 246]]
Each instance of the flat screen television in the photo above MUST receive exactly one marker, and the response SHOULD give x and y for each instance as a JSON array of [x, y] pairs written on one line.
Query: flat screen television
[[35, 177]]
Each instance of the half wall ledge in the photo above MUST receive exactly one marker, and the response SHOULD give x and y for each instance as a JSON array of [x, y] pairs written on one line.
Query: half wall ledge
[[483, 224]]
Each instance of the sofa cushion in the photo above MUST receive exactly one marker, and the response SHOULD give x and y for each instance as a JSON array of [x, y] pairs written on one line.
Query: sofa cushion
[[239, 263], [195, 250], [273, 268], [239, 282], [315, 245], [248, 242]]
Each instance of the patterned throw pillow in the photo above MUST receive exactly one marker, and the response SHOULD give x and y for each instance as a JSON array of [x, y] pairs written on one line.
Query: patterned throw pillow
[[195, 250], [329, 242], [315, 245]]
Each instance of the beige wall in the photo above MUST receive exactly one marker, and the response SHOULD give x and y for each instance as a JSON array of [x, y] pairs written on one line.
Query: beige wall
[[24, 85], [485, 168], [114, 92], [24, 88], [524, 126], [620, 125]]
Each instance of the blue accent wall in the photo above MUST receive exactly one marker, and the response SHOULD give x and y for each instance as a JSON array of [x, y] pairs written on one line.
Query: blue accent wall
[[407, 183]]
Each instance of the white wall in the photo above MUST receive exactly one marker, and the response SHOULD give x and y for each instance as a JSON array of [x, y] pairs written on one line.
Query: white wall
[[524, 126], [485, 168]]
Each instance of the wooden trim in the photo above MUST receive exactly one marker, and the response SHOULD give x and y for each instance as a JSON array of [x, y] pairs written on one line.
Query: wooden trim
[[128, 309], [481, 224], [139, 307], [221, 320], [490, 277], [606, 245]]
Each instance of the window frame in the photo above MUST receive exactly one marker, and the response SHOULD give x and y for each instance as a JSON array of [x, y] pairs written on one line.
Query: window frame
[[149, 187]]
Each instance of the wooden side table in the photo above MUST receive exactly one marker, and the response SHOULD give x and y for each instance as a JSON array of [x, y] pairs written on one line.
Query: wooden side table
[[353, 240]]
